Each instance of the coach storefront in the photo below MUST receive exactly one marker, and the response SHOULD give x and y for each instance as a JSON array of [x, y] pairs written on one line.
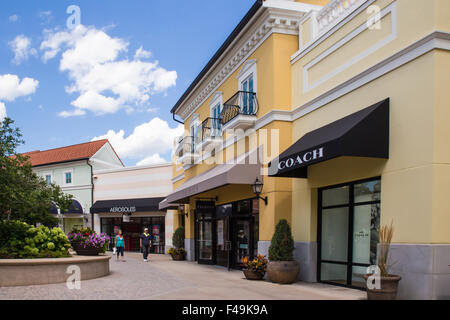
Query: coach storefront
[[132, 216], [348, 210]]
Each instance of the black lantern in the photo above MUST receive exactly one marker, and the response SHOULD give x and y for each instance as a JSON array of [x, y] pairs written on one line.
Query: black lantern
[[181, 208], [257, 187]]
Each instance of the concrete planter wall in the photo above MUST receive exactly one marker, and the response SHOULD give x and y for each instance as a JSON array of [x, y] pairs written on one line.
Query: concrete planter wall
[[25, 272]]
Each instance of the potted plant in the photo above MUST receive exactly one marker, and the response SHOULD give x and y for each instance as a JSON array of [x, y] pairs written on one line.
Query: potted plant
[[178, 253], [254, 269], [387, 283], [87, 242], [282, 267]]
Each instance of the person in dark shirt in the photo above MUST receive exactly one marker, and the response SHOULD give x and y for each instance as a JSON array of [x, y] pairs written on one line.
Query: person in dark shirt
[[145, 243]]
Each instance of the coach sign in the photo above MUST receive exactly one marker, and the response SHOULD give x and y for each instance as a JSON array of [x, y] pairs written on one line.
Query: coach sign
[[301, 159], [361, 134]]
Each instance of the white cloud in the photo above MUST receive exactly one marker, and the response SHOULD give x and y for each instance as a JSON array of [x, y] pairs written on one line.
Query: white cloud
[[147, 141], [14, 18], [21, 46], [73, 113], [154, 159], [2, 111], [105, 82], [11, 87], [142, 54]]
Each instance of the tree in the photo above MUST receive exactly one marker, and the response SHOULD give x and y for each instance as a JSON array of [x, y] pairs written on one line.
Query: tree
[[178, 238], [282, 245], [23, 195]]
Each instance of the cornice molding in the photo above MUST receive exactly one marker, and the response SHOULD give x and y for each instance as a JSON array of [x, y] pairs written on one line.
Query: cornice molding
[[272, 21]]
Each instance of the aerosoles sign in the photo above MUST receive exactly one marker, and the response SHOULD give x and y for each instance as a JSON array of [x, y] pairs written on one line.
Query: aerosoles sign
[[123, 210], [301, 159]]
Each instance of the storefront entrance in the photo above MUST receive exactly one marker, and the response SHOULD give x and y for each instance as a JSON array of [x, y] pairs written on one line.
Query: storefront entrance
[[133, 229], [349, 220], [226, 233]]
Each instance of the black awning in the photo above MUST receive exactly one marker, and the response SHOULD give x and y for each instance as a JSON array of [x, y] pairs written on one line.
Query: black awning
[[126, 206], [361, 134]]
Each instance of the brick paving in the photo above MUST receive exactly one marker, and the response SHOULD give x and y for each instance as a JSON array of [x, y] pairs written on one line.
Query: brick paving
[[163, 279]]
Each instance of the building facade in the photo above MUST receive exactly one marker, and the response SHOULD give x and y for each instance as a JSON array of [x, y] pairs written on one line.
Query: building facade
[[340, 108], [72, 169], [128, 199]]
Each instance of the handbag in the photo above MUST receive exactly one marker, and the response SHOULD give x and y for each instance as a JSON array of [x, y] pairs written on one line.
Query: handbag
[[114, 250]]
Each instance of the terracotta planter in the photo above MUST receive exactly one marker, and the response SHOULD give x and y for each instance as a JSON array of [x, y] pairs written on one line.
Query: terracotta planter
[[253, 275], [389, 288], [283, 272], [178, 257]]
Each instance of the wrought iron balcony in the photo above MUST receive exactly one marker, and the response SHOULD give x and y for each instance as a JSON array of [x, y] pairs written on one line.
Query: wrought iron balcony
[[209, 133], [211, 128], [185, 150], [239, 112]]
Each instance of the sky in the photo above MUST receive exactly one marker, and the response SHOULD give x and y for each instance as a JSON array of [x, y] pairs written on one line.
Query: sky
[[77, 71]]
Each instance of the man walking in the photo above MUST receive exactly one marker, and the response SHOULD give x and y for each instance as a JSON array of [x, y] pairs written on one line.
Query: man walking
[[145, 242]]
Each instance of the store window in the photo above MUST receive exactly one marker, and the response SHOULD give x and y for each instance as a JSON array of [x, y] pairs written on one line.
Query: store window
[[349, 220]]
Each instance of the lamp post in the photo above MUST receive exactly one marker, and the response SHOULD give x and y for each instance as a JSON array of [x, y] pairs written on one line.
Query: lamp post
[[257, 187]]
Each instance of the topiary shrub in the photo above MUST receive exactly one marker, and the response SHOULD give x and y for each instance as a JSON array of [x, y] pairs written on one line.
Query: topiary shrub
[[282, 245], [178, 238]]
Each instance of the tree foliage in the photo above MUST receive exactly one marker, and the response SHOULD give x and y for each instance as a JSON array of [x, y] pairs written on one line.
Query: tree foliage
[[282, 245], [23, 195], [178, 238]]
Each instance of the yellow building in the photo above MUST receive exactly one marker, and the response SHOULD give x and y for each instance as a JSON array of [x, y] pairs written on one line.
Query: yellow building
[[341, 109]]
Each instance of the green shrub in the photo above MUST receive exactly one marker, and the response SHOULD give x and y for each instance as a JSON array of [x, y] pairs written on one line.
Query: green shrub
[[19, 240], [178, 238], [282, 245]]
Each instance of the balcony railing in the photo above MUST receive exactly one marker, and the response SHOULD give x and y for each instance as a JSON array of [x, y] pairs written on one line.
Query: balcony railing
[[186, 146], [242, 103], [211, 128]]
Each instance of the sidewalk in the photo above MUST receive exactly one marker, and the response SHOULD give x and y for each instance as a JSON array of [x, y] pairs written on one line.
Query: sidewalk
[[164, 279], [217, 283]]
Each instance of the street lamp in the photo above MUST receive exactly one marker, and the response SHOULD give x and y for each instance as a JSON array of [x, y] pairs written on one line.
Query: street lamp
[[257, 187], [181, 208]]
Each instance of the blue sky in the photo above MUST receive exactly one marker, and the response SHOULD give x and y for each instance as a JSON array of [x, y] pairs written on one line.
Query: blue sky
[[123, 68]]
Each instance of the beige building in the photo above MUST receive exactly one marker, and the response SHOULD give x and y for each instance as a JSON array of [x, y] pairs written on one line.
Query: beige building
[[355, 92], [128, 199]]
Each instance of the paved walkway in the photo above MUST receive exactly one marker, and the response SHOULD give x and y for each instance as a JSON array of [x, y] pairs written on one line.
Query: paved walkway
[[164, 279]]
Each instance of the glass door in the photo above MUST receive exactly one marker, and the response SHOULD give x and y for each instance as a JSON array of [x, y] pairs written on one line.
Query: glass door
[[349, 220], [205, 242], [223, 245], [247, 87], [242, 240], [205, 231]]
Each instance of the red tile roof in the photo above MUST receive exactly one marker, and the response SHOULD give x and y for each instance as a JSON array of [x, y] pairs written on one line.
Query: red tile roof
[[65, 154]]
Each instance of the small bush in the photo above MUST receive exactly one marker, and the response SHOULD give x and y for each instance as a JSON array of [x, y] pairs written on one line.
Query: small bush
[[178, 238], [282, 245], [19, 240]]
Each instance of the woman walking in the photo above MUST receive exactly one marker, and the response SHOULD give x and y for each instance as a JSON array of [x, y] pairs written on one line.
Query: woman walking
[[120, 245]]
